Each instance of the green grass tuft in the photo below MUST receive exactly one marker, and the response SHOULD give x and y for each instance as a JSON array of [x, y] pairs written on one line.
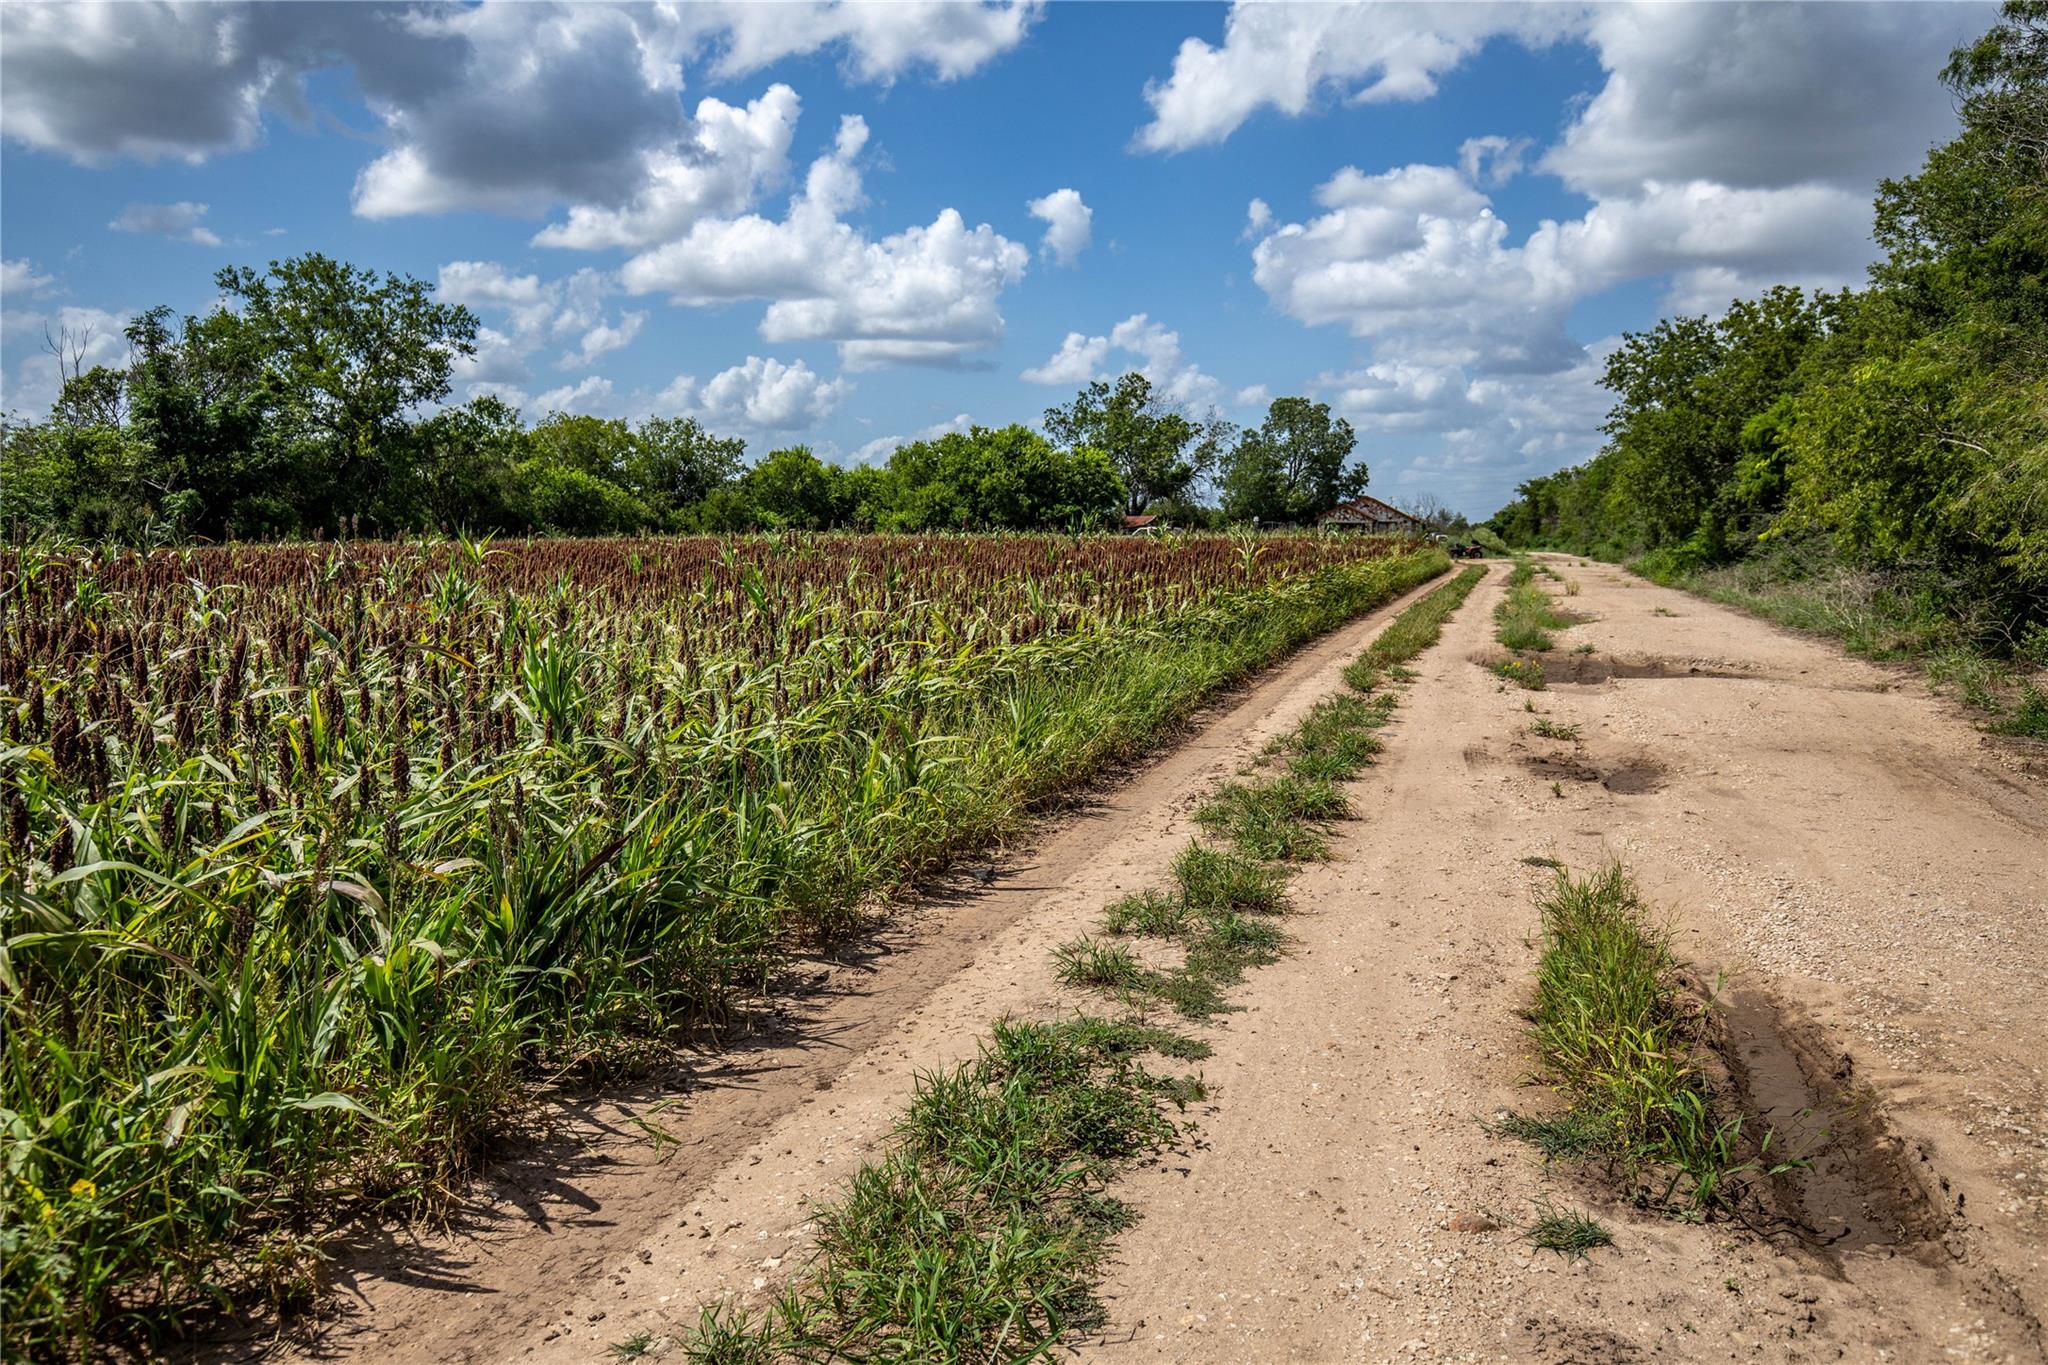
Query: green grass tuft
[[1610, 1025], [1149, 913], [1413, 631], [1214, 880], [1523, 673], [1338, 739], [2029, 716], [976, 1237], [1569, 1233], [1526, 616], [1570, 1134], [1277, 820], [1091, 962]]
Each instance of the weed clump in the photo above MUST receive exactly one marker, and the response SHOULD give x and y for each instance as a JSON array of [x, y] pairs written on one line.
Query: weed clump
[[1149, 913], [977, 1236], [1526, 616], [1091, 962], [1211, 879], [1568, 1232], [1278, 820], [1571, 1134], [1609, 1023], [1413, 631]]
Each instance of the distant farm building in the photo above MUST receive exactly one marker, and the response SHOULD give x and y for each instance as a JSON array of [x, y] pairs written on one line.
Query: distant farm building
[[1138, 526], [1368, 514]]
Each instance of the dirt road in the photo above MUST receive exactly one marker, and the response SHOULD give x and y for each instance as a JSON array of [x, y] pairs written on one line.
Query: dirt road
[[611, 1230], [1870, 875]]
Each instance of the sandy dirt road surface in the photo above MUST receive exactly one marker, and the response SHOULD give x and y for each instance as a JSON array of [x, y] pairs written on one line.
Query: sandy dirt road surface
[[1868, 872], [1864, 875]]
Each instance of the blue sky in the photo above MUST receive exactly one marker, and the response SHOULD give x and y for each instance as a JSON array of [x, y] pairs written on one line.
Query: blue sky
[[814, 223]]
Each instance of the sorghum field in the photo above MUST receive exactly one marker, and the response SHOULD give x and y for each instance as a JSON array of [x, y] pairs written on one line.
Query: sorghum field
[[316, 855]]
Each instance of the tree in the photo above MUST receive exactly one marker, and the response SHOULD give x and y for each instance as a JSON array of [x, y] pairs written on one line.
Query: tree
[[1148, 444], [674, 463], [1906, 423], [343, 358], [1438, 516], [1005, 478], [77, 479], [1293, 467], [563, 500], [1686, 394], [1967, 271], [459, 470], [795, 490], [198, 405]]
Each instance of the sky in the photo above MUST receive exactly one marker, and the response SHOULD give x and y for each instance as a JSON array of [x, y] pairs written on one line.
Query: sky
[[850, 225]]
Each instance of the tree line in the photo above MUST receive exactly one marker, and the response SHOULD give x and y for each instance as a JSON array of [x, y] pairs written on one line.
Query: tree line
[[312, 400], [1901, 428]]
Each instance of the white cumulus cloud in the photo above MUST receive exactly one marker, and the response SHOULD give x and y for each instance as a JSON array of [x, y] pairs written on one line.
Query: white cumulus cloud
[[591, 394], [1708, 177], [1079, 359], [1493, 160], [719, 167], [521, 314], [502, 107], [925, 295], [761, 395], [1157, 355], [603, 339], [21, 278], [881, 42], [1288, 56], [1069, 224], [882, 447]]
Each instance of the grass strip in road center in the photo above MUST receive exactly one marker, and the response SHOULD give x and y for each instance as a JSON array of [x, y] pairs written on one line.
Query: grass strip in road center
[[978, 1235], [1413, 631]]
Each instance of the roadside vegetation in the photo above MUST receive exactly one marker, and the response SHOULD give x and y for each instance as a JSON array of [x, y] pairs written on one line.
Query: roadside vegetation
[[1568, 1232], [978, 1235], [1621, 1040], [1527, 615], [312, 401], [318, 858], [1523, 623], [1871, 464]]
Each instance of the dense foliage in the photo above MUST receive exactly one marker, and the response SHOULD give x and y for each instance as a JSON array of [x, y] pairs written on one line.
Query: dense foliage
[[311, 402], [313, 853], [1905, 424]]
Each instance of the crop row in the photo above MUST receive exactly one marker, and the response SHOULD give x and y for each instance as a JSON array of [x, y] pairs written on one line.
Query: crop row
[[315, 856]]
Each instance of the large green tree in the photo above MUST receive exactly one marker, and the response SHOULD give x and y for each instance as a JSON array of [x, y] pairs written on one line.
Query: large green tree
[[343, 359], [1005, 478], [1158, 452], [1292, 467], [675, 463], [795, 490], [459, 470]]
